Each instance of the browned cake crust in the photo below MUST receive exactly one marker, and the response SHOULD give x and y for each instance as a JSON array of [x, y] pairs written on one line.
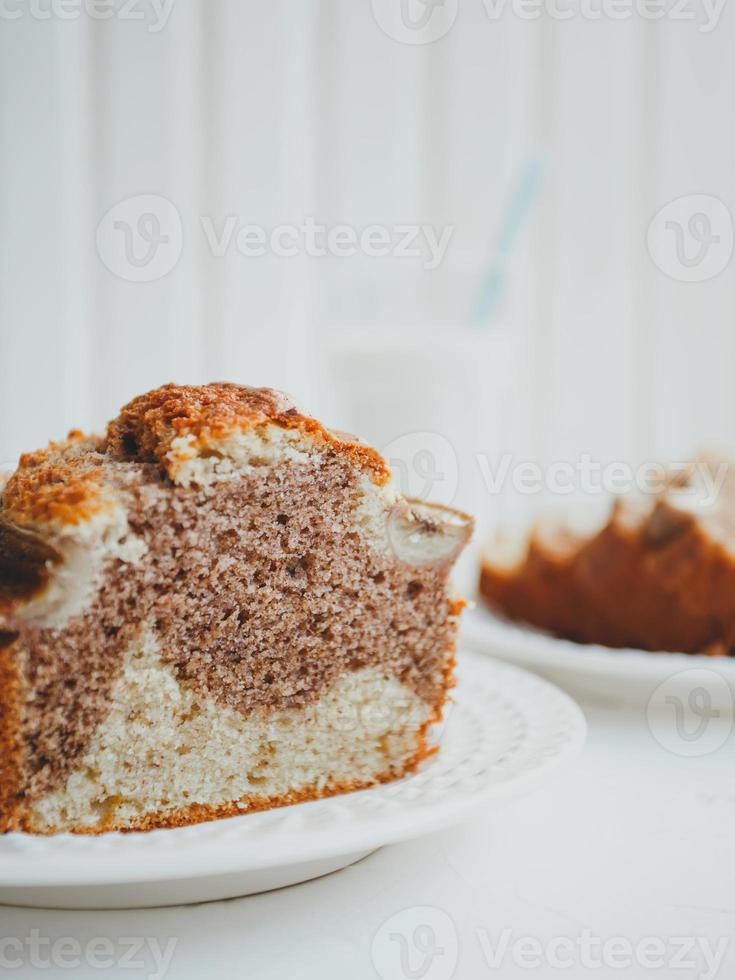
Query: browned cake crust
[[540, 594], [657, 576], [12, 752], [147, 427], [259, 588], [66, 481], [628, 604], [695, 562], [62, 483]]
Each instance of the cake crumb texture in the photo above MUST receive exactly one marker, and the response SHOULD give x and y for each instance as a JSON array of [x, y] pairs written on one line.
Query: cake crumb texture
[[161, 749]]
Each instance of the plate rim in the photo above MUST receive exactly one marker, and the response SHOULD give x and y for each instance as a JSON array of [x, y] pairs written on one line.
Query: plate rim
[[483, 628]]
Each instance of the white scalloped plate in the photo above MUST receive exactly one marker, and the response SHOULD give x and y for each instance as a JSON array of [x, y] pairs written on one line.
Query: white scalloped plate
[[583, 668], [505, 733]]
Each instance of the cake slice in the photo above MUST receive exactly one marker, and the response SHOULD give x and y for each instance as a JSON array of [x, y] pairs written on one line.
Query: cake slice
[[626, 600], [691, 553], [658, 575], [530, 577], [217, 607]]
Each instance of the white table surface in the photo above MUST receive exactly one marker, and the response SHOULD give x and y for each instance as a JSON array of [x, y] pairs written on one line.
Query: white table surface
[[631, 843]]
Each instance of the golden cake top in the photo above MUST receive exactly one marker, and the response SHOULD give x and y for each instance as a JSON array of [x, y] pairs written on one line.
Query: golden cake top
[[171, 426], [147, 426], [62, 484]]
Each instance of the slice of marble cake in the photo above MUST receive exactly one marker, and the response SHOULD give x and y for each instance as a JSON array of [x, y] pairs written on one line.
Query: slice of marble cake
[[218, 606]]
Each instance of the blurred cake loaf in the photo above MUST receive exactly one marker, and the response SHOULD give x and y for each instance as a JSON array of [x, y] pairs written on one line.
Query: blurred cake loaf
[[658, 574], [218, 606]]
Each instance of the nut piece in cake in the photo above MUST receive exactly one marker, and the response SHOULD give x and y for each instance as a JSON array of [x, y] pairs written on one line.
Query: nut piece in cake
[[216, 607]]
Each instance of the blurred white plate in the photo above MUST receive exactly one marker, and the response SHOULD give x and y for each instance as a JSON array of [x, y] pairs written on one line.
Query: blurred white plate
[[586, 669], [505, 733]]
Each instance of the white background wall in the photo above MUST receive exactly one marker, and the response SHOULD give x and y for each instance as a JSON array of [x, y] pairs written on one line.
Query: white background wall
[[273, 111]]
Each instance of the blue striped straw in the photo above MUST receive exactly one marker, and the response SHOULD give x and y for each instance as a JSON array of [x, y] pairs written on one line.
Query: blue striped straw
[[493, 285]]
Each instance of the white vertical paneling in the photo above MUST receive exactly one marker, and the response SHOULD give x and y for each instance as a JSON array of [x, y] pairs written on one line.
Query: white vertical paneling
[[640, 272], [593, 181], [214, 295], [536, 275], [378, 154], [693, 346], [497, 119], [134, 329], [487, 97], [303, 35], [256, 97], [76, 257], [185, 93], [43, 348], [274, 112]]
